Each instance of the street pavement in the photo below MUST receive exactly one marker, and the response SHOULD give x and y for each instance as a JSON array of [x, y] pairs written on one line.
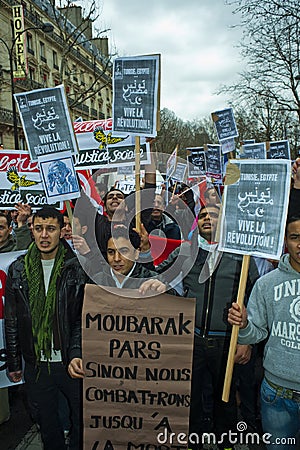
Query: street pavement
[[13, 430], [31, 440]]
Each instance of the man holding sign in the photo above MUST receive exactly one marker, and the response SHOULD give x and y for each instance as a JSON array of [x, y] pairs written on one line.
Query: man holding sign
[[122, 271], [273, 312], [213, 281]]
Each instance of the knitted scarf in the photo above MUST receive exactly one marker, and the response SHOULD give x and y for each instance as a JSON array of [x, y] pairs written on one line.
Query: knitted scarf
[[42, 306]]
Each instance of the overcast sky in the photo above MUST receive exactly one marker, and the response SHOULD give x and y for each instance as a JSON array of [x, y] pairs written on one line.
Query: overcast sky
[[197, 47]]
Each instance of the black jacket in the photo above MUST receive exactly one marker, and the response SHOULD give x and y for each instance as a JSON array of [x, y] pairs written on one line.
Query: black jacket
[[18, 326], [294, 202], [167, 225], [185, 215], [215, 295]]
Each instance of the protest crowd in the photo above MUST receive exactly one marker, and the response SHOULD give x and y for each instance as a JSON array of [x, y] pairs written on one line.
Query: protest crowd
[[44, 295], [159, 314]]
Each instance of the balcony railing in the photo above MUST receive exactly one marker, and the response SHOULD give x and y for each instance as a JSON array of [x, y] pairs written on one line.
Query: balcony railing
[[28, 84], [84, 108], [94, 112], [79, 107], [6, 117]]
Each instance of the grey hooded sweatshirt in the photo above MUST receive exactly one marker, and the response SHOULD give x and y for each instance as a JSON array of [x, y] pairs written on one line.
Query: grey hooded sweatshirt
[[274, 313]]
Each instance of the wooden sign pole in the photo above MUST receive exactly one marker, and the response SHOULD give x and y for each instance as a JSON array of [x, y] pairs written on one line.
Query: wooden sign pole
[[174, 189], [137, 185], [235, 330]]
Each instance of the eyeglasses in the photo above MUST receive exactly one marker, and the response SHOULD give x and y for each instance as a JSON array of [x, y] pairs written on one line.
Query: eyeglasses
[[213, 215]]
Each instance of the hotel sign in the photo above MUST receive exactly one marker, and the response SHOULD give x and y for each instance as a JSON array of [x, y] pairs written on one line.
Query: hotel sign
[[20, 43]]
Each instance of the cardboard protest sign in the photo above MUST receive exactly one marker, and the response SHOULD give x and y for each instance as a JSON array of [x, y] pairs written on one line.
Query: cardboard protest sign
[[136, 95], [255, 207], [5, 261], [213, 163], [46, 121], [256, 150], [278, 150], [225, 125], [196, 162], [137, 356], [20, 181], [99, 147], [59, 177]]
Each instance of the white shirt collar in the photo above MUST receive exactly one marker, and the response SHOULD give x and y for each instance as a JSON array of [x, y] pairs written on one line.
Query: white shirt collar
[[120, 284]]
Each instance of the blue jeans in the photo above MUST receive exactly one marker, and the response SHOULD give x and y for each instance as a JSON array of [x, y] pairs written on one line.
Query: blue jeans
[[280, 417]]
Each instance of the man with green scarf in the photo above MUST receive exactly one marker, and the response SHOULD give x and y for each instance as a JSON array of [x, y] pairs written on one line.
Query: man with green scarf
[[43, 299], [19, 240]]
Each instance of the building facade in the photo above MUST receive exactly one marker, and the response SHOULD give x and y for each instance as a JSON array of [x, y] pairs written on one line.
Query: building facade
[[68, 55]]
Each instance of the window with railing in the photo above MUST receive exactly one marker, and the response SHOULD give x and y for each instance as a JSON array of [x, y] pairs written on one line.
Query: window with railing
[[29, 41], [22, 143], [31, 73], [55, 60], [74, 72], [43, 52], [107, 94], [45, 79], [82, 82], [94, 112]]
